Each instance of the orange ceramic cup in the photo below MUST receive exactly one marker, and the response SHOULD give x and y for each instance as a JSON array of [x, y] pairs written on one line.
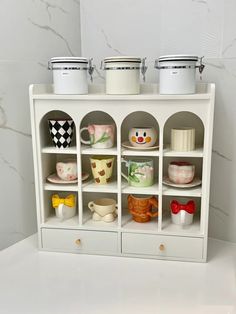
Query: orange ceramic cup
[[141, 207]]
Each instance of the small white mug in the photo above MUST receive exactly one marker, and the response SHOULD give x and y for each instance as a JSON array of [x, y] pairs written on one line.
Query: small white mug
[[104, 209], [182, 212], [64, 212], [65, 207]]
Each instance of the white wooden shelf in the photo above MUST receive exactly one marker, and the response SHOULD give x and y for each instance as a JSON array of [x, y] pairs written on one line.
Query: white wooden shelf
[[100, 225], [145, 153], [167, 152], [91, 186], [55, 150], [128, 224], [169, 228], [97, 92], [61, 187], [86, 150], [55, 222], [124, 236], [190, 192], [128, 189]]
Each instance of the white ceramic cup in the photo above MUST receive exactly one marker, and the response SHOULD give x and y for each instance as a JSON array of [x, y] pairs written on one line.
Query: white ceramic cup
[[182, 217], [181, 172], [103, 209], [142, 136], [67, 170], [64, 212], [183, 139]]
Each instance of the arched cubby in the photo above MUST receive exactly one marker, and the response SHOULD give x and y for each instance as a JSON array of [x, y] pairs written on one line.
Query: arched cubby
[[44, 132], [160, 237], [139, 119], [184, 119]]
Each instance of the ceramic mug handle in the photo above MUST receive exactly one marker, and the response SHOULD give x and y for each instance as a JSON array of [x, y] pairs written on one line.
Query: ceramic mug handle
[[60, 210], [116, 210], [82, 140], [127, 165], [153, 201], [91, 206]]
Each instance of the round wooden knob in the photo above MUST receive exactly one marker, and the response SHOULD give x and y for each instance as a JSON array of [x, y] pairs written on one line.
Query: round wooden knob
[[78, 242], [162, 247]]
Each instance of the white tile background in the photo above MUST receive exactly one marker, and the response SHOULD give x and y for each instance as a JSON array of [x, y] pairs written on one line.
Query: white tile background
[[155, 27], [32, 31]]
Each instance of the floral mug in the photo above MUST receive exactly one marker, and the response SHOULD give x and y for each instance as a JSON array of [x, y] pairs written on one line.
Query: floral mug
[[101, 135], [140, 172]]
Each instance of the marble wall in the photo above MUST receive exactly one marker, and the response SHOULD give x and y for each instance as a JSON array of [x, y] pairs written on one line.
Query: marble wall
[[155, 27], [31, 32]]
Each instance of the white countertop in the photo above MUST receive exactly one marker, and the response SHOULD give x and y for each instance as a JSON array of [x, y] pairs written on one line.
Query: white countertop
[[33, 282]]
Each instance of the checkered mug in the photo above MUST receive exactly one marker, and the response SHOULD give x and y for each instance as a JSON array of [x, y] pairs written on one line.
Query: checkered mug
[[61, 131]]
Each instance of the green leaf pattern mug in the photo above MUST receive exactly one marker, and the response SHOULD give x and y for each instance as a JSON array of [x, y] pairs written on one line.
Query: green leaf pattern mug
[[140, 172]]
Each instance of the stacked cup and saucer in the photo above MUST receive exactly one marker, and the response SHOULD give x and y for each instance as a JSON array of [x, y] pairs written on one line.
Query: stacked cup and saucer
[[141, 138]]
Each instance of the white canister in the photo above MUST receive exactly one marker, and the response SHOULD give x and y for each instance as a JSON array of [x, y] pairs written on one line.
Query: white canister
[[182, 139], [178, 73], [123, 74], [70, 74]]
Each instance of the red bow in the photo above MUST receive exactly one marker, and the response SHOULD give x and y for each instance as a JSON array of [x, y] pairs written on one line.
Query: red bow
[[190, 207]]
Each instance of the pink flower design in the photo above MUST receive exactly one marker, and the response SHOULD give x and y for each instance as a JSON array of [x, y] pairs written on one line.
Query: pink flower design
[[91, 129], [109, 131]]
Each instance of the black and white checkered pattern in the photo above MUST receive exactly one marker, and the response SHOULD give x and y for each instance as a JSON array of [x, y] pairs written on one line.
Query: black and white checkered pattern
[[61, 132]]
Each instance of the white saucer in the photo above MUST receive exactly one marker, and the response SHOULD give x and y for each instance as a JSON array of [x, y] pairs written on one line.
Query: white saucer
[[53, 178], [129, 146], [195, 182]]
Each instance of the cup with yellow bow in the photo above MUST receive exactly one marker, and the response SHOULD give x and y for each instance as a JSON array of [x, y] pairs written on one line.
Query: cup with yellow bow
[[65, 208]]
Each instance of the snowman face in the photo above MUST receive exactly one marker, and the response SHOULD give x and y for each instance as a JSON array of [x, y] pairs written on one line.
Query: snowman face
[[142, 137]]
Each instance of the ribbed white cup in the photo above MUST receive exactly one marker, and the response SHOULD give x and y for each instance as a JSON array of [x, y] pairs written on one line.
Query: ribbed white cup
[[183, 139]]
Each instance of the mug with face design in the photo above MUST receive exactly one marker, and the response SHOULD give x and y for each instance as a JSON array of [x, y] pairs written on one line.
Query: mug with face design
[[102, 167], [142, 136]]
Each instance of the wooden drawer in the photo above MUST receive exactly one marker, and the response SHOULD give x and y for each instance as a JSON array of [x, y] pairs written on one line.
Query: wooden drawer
[[89, 241], [166, 246]]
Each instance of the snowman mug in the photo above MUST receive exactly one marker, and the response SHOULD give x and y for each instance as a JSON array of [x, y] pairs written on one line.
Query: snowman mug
[[142, 137]]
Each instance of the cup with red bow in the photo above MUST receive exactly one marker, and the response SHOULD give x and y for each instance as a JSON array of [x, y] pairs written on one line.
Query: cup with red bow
[[182, 212]]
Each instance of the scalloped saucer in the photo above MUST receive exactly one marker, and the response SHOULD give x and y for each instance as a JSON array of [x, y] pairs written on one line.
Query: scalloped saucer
[[129, 146], [195, 182], [53, 178]]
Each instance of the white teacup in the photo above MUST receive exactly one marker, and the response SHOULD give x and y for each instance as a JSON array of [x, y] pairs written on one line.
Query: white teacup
[[182, 211], [104, 209], [181, 172], [67, 170], [64, 212], [142, 136]]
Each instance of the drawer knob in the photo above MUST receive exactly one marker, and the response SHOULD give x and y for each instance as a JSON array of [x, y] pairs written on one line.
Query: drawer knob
[[78, 242], [162, 247]]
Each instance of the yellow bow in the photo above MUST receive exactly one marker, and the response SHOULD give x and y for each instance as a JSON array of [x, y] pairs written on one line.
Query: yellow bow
[[68, 201]]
